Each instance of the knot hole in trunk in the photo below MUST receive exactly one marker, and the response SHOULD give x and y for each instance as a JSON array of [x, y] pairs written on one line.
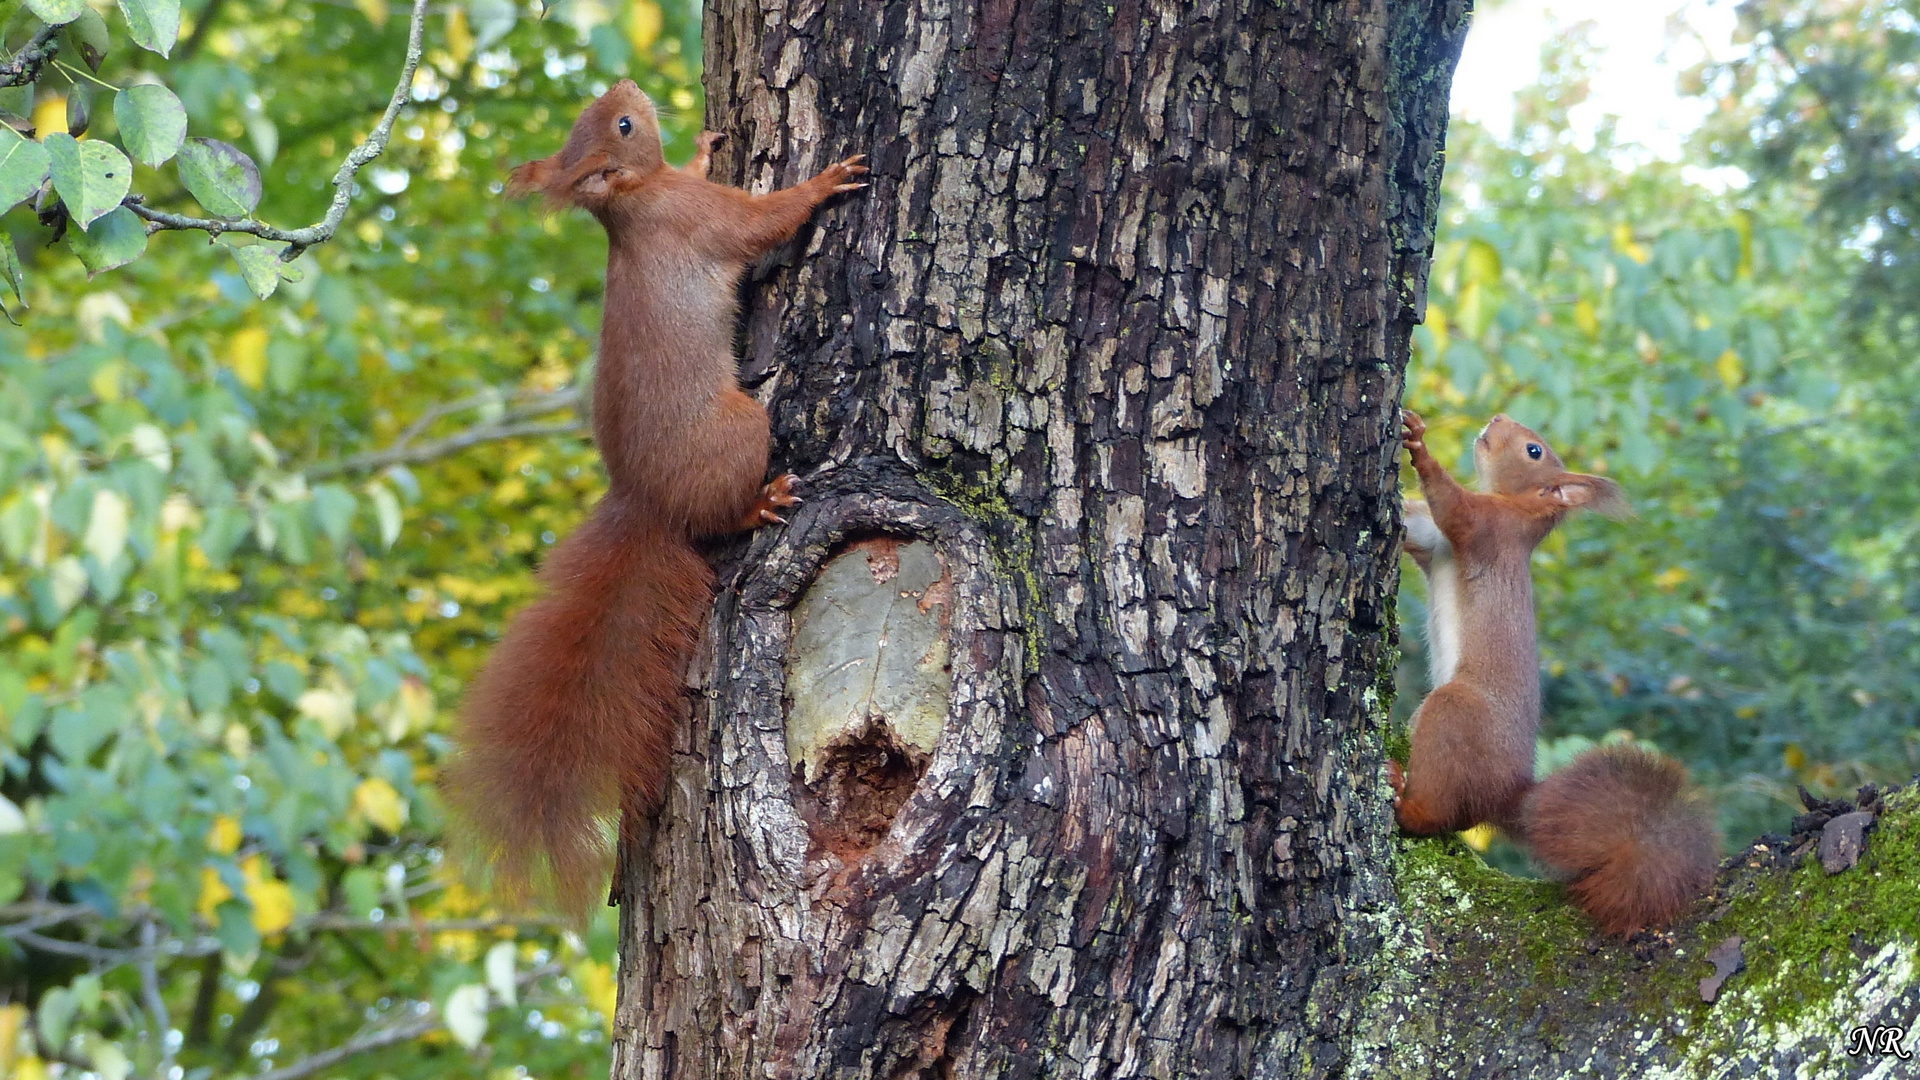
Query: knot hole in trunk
[[869, 683]]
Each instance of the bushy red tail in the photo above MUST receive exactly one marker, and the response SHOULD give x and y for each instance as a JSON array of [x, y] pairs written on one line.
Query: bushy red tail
[[1635, 843], [575, 710]]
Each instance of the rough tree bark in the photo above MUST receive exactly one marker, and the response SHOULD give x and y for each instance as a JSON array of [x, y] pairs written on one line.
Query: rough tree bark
[[1047, 740], [1118, 332]]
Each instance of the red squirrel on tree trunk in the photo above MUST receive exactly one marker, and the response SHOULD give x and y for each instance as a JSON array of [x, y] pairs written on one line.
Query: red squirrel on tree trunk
[[573, 714], [1620, 825]]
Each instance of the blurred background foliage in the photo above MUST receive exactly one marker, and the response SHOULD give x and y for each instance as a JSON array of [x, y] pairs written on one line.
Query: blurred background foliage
[[247, 556], [1731, 337]]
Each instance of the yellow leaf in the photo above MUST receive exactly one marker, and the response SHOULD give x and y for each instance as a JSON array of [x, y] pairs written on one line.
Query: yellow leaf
[[213, 893], [12, 1018], [238, 740], [596, 985], [1671, 578], [1746, 712], [140, 883], [1437, 326], [272, 899], [106, 383], [415, 708], [1483, 262], [223, 838], [1795, 757], [459, 35], [1625, 244], [1468, 310], [644, 22], [374, 10], [332, 708], [1586, 318], [30, 1068], [247, 356], [50, 115], [1480, 837], [1730, 370], [379, 803], [511, 490]]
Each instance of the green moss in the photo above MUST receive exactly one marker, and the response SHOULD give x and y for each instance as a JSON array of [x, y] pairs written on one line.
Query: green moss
[[1012, 539], [1800, 932], [1514, 953]]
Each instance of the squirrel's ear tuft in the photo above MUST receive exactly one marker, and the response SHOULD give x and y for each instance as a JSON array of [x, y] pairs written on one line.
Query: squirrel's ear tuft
[[1579, 491], [534, 176]]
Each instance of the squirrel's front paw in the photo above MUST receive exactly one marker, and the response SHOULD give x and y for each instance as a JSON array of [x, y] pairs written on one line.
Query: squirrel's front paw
[[707, 140], [838, 176], [1413, 430]]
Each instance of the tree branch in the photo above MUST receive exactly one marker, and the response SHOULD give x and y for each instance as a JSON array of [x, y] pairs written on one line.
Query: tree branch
[[374, 1040], [510, 425], [299, 240], [156, 1005], [406, 1031], [201, 26], [25, 65]]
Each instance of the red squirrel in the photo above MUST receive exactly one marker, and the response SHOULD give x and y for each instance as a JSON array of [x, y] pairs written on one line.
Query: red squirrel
[[572, 716], [1619, 824]]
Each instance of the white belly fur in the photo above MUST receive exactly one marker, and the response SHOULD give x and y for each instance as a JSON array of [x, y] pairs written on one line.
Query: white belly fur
[[1443, 616], [1443, 593]]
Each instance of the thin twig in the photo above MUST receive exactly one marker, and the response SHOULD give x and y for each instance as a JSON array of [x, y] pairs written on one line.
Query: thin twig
[[536, 405], [430, 926], [439, 448], [201, 25], [113, 957], [374, 1040], [299, 240], [430, 1021], [26, 64], [156, 1005]]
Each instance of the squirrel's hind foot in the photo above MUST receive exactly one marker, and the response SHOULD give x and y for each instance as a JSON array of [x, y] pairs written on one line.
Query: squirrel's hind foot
[[774, 497]]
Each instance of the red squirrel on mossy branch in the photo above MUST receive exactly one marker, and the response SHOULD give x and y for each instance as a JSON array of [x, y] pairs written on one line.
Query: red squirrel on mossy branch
[[1620, 825], [571, 719]]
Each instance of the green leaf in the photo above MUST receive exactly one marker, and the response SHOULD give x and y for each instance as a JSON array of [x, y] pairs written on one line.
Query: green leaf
[[154, 24], [87, 35], [23, 167], [152, 122], [333, 506], [11, 273], [57, 12], [79, 109], [115, 240], [221, 176], [91, 176], [259, 266], [362, 888], [107, 526], [57, 1007], [386, 507]]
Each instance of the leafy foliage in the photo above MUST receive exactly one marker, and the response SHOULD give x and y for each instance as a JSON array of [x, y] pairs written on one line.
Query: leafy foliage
[[243, 576]]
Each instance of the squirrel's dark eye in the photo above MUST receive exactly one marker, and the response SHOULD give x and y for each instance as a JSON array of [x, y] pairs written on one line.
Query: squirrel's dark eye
[[626, 125], [1533, 450]]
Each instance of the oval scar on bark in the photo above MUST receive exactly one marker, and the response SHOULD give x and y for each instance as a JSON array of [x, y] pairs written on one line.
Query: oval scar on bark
[[869, 679]]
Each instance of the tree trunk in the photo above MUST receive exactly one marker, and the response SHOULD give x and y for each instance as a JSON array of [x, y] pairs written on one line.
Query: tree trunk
[[1047, 739]]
